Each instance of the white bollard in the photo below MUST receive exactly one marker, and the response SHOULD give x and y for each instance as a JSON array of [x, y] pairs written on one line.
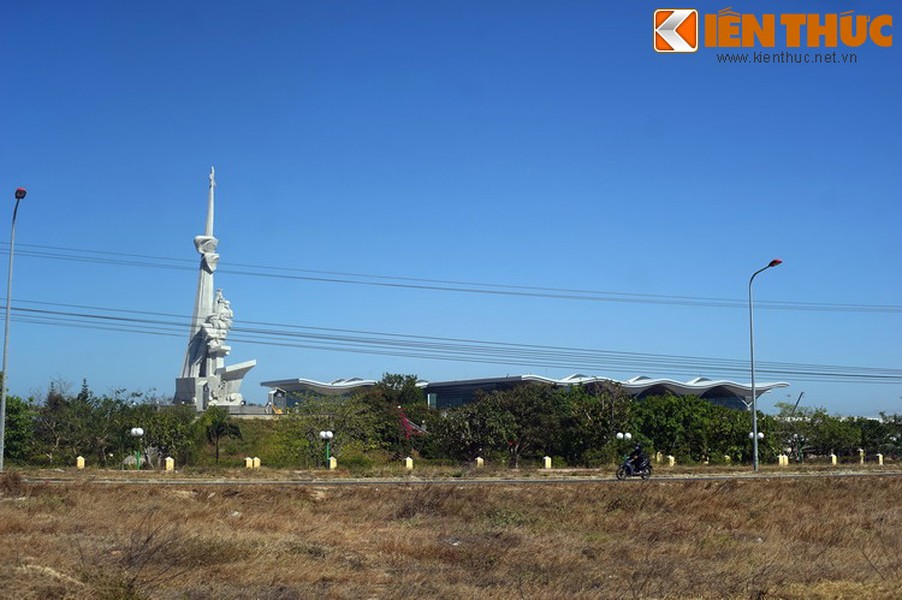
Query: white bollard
[[727, 459], [832, 459], [480, 462], [861, 456], [408, 463], [256, 463], [879, 459], [671, 460], [170, 463], [659, 457], [80, 462], [547, 462], [333, 463], [248, 463]]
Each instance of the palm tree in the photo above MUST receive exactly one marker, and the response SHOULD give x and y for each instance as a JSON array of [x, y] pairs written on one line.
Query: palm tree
[[219, 425]]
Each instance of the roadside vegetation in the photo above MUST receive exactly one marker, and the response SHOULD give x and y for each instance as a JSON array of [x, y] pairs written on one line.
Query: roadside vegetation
[[380, 426]]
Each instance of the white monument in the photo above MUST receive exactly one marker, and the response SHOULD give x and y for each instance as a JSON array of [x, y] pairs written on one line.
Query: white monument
[[205, 380]]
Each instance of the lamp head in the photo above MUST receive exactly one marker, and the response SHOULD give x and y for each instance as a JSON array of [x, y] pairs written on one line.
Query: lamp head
[[775, 262], [20, 193]]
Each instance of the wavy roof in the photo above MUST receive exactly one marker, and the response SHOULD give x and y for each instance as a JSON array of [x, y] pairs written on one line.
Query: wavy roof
[[636, 385], [332, 388]]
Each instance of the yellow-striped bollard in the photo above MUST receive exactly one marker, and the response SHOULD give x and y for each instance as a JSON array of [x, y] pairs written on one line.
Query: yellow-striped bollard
[[79, 462], [480, 462], [547, 461], [408, 463], [170, 463]]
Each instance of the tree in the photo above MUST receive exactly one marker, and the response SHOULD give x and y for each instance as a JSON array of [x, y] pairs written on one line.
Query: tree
[[461, 433], [219, 425], [888, 438], [668, 421], [394, 402], [576, 423], [108, 421], [172, 430], [694, 428], [357, 420], [20, 429], [830, 434], [808, 430], [591, 416], [524, 419], [60, 425], [728, 434]]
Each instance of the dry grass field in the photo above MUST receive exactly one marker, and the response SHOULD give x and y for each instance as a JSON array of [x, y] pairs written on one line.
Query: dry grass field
[[824, 537]]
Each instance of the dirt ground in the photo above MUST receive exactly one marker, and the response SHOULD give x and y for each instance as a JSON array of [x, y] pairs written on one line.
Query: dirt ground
[[821, 537]]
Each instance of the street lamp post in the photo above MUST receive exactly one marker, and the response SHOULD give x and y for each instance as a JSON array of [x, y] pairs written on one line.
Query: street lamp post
[[623, 437], [327, 437], [137, 433], [20, 194], [754, 433]]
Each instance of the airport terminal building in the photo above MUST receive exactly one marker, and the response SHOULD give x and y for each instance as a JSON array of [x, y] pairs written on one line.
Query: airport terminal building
[[448, 394]]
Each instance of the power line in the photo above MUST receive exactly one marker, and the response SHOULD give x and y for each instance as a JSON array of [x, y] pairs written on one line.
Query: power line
[[438, 285], [438, 348]]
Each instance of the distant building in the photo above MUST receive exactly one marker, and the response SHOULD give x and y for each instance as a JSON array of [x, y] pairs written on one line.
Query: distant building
[[448, 394], [284, 393]]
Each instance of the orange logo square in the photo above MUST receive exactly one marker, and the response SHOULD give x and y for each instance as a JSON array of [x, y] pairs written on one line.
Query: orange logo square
[[676, 30]]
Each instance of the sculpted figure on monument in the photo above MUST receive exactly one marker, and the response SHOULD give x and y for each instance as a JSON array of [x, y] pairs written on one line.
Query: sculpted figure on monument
[[206, 247], [216, 326]]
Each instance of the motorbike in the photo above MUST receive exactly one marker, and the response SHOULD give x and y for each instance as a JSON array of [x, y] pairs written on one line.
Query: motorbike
[[628, 469]]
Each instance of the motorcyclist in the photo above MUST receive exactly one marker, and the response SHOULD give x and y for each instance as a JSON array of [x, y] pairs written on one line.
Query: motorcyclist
[[637, 458]]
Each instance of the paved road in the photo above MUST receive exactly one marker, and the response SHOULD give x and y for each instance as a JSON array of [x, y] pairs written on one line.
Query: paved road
[[539, 480]]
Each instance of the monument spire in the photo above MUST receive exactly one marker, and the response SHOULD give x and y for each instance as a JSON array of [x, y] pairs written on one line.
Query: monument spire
[[210, 209], [205, 379]]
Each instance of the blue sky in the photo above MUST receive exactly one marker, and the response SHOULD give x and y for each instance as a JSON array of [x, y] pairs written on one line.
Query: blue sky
[[538, 144]]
